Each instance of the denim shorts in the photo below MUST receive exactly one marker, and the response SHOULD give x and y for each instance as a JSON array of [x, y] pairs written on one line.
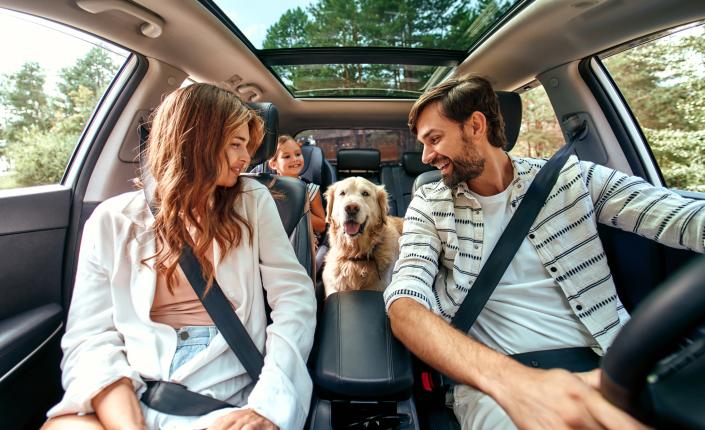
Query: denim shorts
[[190, 340]]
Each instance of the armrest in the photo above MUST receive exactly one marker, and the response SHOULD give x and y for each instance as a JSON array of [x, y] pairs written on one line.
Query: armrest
[[358, 357]]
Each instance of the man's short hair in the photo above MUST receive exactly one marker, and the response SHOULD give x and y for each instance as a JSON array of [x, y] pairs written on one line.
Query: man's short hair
[[459, 98]]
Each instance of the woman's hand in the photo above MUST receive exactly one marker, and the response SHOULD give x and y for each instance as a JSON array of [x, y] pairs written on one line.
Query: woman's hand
[[245, 419]]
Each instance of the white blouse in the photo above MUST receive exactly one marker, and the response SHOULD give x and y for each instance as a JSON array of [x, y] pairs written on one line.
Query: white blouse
[[110, 335]]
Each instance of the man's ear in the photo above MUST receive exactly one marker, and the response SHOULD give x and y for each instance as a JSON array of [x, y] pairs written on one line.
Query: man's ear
[[383, 202], [477, 123], [330, 194]]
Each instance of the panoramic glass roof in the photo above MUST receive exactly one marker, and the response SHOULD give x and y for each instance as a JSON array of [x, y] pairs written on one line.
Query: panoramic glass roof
[[361, 48]]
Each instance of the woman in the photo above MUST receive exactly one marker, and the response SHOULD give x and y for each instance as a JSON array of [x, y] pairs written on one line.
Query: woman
[[134, 315]]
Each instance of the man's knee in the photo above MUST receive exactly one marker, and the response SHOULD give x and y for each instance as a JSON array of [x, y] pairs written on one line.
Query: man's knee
[[475, 410]]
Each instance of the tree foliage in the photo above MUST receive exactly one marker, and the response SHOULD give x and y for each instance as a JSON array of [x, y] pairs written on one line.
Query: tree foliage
[[663, 82], [41, 130], [22, 94], [440, 24]]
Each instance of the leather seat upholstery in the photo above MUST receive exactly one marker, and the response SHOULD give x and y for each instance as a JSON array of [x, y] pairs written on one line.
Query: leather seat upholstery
[[399, 180], [363, 162]]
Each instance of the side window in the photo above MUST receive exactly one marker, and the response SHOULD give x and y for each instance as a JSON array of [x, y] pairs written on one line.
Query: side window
[[391, 143], [50, 83], [540, 134], [663, 81]]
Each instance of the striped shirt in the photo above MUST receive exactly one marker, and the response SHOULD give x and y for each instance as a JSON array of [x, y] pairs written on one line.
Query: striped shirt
[[441, 245]]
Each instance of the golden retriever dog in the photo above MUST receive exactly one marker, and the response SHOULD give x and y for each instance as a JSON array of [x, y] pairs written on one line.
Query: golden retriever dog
[[364, 240]]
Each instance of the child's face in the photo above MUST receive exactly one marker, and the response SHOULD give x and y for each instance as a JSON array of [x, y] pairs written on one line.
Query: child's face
[[289, 161]]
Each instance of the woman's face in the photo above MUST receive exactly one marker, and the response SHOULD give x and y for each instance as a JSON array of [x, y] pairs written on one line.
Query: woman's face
[[235, 157], [289, 161]]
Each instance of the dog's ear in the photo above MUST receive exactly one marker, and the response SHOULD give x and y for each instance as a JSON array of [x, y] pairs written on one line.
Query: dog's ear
[[383, 201], [330, 194]]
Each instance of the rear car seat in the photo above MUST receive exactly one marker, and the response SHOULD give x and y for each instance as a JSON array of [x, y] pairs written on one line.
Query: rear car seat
[[363, 162], [316, 168], [399, 180]]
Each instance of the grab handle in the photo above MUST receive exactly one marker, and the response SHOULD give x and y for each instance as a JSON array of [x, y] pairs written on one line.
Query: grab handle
[[152, 26]]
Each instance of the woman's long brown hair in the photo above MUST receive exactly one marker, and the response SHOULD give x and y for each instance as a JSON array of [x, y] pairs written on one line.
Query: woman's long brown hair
[[187, 140]]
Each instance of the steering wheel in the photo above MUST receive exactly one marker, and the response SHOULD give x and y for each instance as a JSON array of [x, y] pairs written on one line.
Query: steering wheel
[[667, 393]]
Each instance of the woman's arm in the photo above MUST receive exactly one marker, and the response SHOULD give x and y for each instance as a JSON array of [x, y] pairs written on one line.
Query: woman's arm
[[318, 215], [93, 349], [283, 392], [117, 407]]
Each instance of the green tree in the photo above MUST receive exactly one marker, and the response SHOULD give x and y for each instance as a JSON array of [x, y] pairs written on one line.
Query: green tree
[[39, 152], [664, 83], [23, 96], [441, 24], [93, 71], [290, 31]]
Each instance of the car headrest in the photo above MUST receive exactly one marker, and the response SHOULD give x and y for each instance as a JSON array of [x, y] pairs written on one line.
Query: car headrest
[[270, 115], [412, 164], [510, 106], [425, 178], [313, 164], [358, 159]]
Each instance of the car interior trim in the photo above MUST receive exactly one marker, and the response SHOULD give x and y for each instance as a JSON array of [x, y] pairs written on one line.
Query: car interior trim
[[632, 129], [22, 328], [31, 354], [358, 55]]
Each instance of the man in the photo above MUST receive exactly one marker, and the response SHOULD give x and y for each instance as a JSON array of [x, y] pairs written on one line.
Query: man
[[557, 292]]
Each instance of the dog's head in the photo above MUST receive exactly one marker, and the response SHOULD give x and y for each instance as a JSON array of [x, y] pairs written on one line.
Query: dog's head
[[356, 204]]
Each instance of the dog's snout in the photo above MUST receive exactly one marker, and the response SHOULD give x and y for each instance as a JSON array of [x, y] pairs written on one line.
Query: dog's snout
[[352, 209]]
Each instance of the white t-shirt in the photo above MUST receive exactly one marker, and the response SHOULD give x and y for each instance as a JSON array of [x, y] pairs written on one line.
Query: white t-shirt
[[527, 311]]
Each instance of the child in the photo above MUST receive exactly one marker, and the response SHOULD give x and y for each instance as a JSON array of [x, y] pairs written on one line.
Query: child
[[289, 161]]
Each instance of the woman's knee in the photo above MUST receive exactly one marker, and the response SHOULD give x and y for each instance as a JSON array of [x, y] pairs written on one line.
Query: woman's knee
[[73, 422]]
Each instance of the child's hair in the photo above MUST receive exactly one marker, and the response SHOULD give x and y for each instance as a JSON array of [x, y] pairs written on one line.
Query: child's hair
[[280, 142], [189, 132]]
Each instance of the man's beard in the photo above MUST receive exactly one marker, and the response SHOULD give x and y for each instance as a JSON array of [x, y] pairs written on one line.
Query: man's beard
[[465, 168]]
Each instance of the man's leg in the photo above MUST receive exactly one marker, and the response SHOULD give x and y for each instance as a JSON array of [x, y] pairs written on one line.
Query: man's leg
[[476, 410]]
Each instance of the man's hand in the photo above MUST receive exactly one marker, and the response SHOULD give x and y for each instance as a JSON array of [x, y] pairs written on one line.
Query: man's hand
[[557, 399], [244, 419]]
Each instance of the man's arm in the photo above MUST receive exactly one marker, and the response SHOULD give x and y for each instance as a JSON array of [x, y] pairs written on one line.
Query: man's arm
[[534, 399], [632, 204]]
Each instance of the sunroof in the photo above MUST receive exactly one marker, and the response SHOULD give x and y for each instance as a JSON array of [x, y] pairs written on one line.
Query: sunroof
[[275, 26], [368, 80]]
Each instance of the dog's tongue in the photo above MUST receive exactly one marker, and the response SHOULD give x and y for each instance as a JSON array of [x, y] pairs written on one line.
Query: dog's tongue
[[351, 228]]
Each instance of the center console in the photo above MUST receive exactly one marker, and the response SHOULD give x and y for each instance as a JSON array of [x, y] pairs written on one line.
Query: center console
[[362, 374]]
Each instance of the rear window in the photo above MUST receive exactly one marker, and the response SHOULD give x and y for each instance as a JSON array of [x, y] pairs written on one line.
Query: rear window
[[390, 142]]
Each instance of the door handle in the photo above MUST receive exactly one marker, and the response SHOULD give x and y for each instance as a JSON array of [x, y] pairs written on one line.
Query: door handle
[[152, 25]]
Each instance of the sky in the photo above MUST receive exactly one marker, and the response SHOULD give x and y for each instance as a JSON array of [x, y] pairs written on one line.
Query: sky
[[53, 47], [254, 21]]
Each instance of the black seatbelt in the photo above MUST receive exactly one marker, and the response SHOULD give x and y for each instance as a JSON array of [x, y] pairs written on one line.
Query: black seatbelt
[[511, 239], [173, 398], [515, 232]]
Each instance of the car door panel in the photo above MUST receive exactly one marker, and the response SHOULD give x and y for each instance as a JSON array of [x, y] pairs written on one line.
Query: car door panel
[[32, 242]]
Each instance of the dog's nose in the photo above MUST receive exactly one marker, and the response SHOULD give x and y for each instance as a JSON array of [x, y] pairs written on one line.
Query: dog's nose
[[352, 209]]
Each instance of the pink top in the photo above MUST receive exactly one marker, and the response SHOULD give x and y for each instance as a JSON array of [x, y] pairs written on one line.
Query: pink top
[[181, 308]]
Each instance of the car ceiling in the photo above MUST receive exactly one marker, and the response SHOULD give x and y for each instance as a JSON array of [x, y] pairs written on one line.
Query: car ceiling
[[543, 35]]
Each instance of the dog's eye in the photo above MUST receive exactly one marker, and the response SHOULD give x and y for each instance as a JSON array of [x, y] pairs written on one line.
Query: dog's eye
[[365, 194], [342, 193]]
